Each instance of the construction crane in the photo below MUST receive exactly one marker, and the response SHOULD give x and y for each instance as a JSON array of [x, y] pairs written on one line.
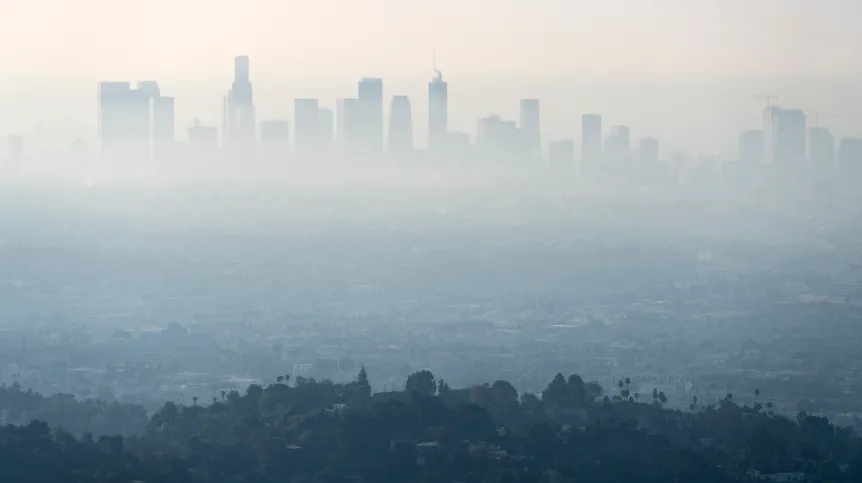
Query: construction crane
[[769, 98]]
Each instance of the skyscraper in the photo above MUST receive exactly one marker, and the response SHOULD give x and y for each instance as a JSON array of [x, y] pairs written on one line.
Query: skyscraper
[[752, 147], [239, 116], [400, 127], [370, 95], [821, 147], [648, 151], [124, 121], [306, 131], [530, 127], [496, 139], [618, 145], [163, 126], [591, 140], [203, 141], [850, 161], [788, 136], [438, 112]]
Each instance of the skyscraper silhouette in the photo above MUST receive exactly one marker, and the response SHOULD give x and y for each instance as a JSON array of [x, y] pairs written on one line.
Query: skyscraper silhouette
[[530, 127], [370, 95], [163, 127], [325, 126], [821, 147], [400, 127], [124, 121], [239, 115], [591, 143], [438, 112], [789, 136]]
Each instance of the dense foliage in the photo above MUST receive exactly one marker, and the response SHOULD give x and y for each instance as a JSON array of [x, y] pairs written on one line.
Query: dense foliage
[[325, 432]]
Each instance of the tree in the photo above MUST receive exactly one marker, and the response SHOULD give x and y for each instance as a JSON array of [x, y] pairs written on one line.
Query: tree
[[422, 382], [555, 393], [362, 377], [594, 391], [443, 388]]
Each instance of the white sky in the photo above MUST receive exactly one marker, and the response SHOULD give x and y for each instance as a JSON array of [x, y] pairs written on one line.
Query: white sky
[[54, 52]]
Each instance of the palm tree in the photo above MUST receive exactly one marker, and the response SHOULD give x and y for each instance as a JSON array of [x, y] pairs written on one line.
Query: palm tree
[[195, 400]]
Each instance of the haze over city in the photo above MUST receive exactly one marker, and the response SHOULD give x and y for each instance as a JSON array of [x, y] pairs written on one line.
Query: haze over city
[[458, 242]]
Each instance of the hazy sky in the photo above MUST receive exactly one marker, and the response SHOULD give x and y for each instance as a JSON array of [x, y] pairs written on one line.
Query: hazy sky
[[56, 50]]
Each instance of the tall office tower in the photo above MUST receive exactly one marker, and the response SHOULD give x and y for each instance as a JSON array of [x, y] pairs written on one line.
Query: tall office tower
[[203, 141], [275, 139], [787, 142], [163, 127], [561, 155], [438, 113], [306, 132], [752, 147], [591, 141], [648, 151], [530, 127], [370, 96], [15, 147], [850, 160], [325, 126], [239, 117], [497, 140], [124, 121], [400, 127], [821, 147], [618, 145], [113, 132]]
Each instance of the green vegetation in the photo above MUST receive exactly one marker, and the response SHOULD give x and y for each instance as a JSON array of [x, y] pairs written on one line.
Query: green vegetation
[[319, 431]]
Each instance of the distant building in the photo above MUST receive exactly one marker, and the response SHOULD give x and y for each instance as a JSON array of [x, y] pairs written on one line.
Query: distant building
[[591, 140], [275, 139], [788, 136], [850, 160], [163, 128], [530, 127], [306, 130], [400, 127], [752, 147], [648, 151], [618, 145], [497, 140], [821, 147], [239, 116], [438, 113], [370, 95], [561, 155]]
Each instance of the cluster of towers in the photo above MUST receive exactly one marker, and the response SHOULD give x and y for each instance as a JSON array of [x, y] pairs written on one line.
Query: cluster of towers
[[139, 123]]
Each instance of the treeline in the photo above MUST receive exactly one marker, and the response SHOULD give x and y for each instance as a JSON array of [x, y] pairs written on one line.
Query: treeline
[[319, 431]]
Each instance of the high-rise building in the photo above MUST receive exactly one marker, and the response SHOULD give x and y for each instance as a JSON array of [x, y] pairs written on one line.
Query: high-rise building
[[850, 160], [561, 154], [648, 151], [306, 131], [239, 117], [163, 126], [787, 143], [752, 147], [370, 95], [124, 120], [821, 147], [591, 139], [400, 127], [438, 113], [498, 140], [275, 139], [530, 127], [325, 127], [617, 147]]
